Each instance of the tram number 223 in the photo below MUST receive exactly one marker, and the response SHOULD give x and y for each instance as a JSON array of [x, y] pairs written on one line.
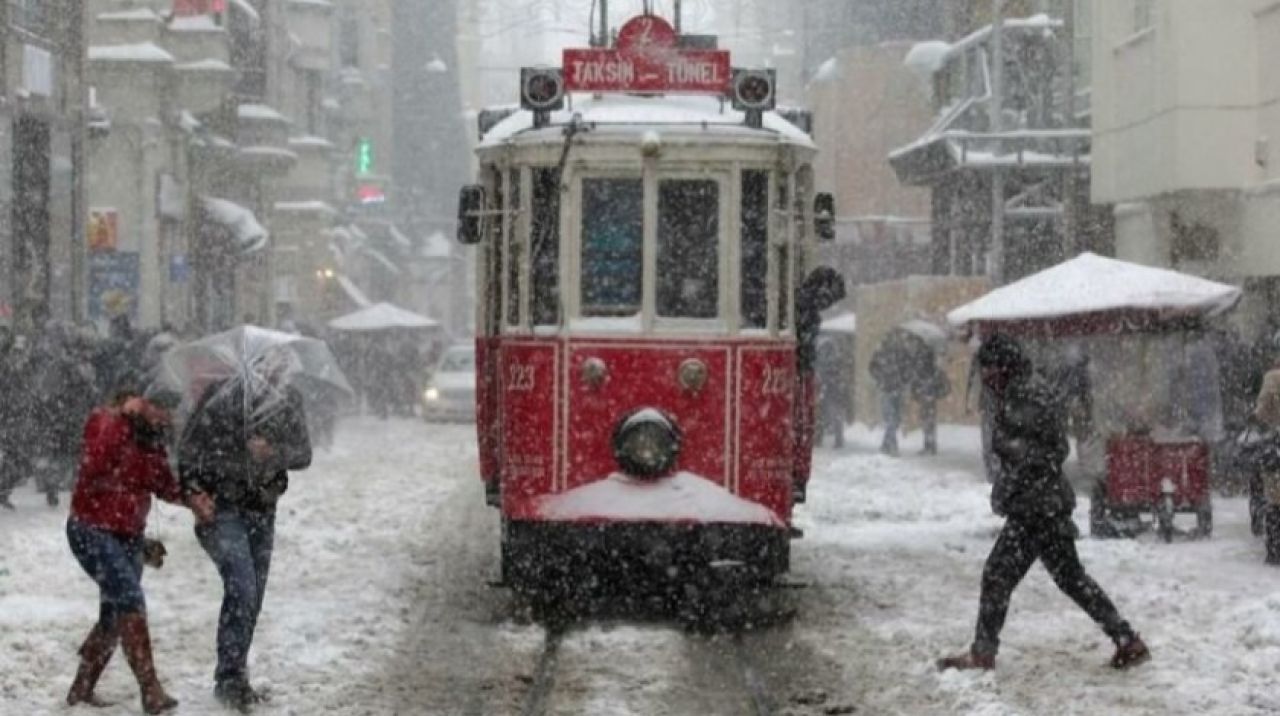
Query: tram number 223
[[777, 381], [522, 378]]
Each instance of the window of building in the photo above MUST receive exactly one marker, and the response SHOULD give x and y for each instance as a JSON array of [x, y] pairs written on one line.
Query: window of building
[[612, 246], [1143, 14], [30, 15], [545, 247], [755, 249], [349, 40], [688, 277]]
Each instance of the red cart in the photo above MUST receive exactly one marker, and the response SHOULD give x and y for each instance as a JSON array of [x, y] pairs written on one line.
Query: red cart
[[1152, 476]]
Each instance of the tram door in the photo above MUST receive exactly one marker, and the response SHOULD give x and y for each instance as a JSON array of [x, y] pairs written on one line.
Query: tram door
[[489, 387]]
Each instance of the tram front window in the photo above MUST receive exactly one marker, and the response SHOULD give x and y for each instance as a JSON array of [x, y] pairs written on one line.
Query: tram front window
[[612, 246], [688, 248]]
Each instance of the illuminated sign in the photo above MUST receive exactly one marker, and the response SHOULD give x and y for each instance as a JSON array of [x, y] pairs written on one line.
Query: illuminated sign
[[364, 156]]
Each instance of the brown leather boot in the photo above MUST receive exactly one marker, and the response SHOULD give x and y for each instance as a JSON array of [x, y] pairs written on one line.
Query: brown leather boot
[[968, 661], [95, 653], [1130, 653], [136, 640]]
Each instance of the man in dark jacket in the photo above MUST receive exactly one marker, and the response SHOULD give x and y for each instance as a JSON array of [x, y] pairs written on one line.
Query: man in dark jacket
[[1030, 440], [243, 437]]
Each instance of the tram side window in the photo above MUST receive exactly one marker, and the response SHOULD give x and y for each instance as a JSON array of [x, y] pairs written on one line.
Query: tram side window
[[755, 249], [612, 246], [688, 248], [784, 267], [514, 252], [497, 227], [545, 258]]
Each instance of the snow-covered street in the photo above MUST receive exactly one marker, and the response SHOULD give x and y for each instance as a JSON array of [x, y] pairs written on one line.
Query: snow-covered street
[[379, 604]]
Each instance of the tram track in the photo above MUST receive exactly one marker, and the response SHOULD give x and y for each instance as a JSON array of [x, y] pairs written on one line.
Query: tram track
[[735, 657]]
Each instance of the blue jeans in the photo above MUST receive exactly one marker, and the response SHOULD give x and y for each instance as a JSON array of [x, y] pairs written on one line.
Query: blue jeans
[[239, 542], [114, 562]]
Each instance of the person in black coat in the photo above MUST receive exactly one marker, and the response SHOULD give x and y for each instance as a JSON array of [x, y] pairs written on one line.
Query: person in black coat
[[822, 289], [1030, 440], [244, 436], [892, 368]]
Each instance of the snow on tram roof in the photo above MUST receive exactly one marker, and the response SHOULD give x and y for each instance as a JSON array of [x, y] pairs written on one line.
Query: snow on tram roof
[[649, 112]]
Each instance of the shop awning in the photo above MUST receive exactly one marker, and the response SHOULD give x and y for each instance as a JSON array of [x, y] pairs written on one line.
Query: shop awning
[[245, 229], [381, 317]]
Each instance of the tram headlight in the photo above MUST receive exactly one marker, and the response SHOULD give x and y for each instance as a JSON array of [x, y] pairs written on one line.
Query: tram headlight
[[646, 444], [431, 394]]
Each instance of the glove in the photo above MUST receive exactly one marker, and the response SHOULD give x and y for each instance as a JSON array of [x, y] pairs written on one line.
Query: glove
[[153, 552]]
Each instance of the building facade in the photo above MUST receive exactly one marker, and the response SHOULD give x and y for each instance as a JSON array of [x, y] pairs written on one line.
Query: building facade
[[1186, 107], [43, 265]]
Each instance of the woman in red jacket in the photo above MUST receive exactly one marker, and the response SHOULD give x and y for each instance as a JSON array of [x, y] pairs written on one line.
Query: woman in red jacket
[[123, 463]]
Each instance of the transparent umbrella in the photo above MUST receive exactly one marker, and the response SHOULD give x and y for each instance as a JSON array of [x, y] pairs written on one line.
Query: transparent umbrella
[[257, 365]]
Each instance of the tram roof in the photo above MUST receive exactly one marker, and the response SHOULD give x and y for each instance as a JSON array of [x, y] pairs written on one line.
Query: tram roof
[[629, 114]]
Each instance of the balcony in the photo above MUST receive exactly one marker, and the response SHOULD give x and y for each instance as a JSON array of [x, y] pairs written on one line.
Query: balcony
[[196, 38], [310, 24], [127, 27], [263, 136]]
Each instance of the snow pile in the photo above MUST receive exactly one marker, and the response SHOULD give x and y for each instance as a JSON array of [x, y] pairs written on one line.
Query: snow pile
[[926, 58], [1091, 284], [683, 497], [260, 112]]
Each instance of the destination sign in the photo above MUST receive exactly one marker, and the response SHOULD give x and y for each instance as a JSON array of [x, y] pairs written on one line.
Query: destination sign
[[647, 59]]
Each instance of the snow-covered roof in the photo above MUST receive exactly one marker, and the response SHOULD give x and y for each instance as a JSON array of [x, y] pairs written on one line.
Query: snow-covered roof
[[194, 23], [827, 70], [310, 141], [1091, 284], [381, 317], [926, 58], [209, 65], [683, 497], [140, 52], [315, 206], [263, 150], [141, 14], [701, 115], [249, 233], [260, 111], [312, 4]]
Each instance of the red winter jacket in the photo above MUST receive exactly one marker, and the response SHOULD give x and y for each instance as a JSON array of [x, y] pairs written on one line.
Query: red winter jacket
[[118, 476]]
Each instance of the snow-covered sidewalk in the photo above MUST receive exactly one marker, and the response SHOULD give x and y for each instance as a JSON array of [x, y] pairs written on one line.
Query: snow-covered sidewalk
[[348, 534], [906, 538]]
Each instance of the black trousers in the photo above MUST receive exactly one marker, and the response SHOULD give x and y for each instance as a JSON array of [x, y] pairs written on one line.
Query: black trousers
[[1052, 541]]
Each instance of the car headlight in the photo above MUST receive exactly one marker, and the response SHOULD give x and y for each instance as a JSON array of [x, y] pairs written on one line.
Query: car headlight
[[431, 394], [646, 444]]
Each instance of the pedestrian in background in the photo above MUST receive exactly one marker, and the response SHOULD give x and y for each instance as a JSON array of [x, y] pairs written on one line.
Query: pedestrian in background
[[930, 386], [124, 462], [891, 370], [1034, 497]]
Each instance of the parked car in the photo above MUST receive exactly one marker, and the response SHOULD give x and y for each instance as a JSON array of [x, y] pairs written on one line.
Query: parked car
[[450, 395]]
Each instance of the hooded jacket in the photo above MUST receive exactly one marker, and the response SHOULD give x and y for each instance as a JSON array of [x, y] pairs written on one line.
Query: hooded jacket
[[214, 455], [1029, 438]]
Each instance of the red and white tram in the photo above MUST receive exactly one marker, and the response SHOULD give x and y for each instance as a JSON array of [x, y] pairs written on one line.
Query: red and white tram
[[641, 228]]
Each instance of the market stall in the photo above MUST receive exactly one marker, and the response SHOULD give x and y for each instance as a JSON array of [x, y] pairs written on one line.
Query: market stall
[[1125, 343]]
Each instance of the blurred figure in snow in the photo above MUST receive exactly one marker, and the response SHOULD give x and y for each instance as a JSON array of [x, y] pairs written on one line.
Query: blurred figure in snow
[[833, 392], [1032, 494], [123, 464], [930, 385], [243, 437], [891, 369]]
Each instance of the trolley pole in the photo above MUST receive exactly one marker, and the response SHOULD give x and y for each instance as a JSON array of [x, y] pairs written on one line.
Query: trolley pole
[[996, 252], [604, 23]]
